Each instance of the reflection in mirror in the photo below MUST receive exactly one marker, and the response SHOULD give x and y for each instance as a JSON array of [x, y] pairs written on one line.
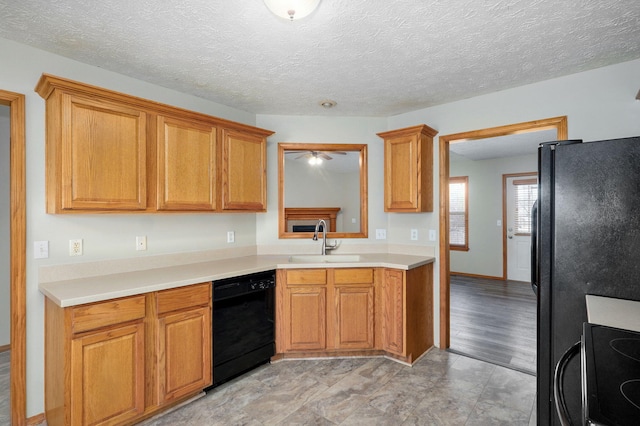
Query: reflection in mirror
[[322, 181]]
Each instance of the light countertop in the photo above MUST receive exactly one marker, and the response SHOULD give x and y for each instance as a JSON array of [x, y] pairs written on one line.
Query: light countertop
[[110, 286], [612, 312]]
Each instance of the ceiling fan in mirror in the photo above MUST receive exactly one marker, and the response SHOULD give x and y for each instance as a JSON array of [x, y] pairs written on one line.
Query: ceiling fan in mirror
[[323, 154], [315, 157]]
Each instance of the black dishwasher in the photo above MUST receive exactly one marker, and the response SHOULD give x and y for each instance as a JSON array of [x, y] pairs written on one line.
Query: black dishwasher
[[243, 324]]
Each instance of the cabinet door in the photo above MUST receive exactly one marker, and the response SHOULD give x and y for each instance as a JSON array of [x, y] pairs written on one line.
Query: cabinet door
[[401, 173], [184, 353], [103, 156], [393, 311], [107, 375], [244, 171], [354, 310], [306, 317], [186, 165], [408, 169]]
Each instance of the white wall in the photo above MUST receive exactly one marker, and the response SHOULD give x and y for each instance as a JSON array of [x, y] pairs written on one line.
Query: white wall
[[337, 189], [485, 208], [105, 236], [306, 129], [599, 104], [5, 214]]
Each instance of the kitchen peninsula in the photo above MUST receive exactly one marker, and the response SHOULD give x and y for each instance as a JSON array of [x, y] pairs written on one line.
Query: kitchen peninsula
[[125, 331]]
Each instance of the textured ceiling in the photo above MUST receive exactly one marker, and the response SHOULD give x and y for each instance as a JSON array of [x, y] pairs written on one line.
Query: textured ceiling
[[373, 57], [501, 146]]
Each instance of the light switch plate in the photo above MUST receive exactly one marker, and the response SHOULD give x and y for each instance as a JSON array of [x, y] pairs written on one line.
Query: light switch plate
[[141, 243], [40, 249]]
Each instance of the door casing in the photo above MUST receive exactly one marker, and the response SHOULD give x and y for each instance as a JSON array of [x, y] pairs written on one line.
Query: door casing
[[558, 123], [18, 252]]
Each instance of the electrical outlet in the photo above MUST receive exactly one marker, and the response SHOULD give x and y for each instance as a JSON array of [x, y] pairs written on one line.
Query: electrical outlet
[[381, 234], [432, 234], [414, 235], [141, 243], [75, 247], [231, 236], [40, 249]]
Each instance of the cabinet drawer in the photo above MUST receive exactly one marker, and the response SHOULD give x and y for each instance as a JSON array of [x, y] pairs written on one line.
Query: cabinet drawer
[[353, 276], [307, 276], [184, 297], [102, 314]]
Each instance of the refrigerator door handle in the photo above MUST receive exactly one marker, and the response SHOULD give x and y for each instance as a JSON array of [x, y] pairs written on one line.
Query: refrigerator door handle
[[534, 247]]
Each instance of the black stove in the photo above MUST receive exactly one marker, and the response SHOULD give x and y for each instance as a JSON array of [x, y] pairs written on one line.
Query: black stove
[[611, 376]]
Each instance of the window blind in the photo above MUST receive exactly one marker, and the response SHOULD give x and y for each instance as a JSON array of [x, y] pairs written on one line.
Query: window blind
[[526, 193], [458, 212]]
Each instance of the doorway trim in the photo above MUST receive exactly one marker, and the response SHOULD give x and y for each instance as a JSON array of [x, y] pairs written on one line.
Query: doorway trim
[[558, 123], [18, 252]]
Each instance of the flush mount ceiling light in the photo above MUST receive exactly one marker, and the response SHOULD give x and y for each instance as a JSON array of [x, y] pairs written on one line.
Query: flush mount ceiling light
[[328, 103], [292, 9]]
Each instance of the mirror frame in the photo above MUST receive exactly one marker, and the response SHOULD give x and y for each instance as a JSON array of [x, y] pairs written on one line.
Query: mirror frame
[[364, 196]]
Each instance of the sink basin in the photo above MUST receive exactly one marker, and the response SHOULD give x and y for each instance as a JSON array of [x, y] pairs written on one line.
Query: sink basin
[[336, 258]]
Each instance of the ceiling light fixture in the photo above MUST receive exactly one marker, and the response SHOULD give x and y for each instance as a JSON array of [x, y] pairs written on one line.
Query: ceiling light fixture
[[314, 160], [292, 9], [328, 104]]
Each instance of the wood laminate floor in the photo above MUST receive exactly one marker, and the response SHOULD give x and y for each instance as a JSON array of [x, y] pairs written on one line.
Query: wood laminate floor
[[494, 321]]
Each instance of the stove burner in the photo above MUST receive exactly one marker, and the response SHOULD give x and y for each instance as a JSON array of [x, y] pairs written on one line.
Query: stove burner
[[631, 391], [627, 347]]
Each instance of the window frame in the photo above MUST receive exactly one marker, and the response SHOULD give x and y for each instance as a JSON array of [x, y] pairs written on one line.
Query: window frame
[[465, 181]]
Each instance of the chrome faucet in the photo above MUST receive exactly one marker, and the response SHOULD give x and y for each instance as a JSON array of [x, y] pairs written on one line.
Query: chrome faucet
[[325, 246]]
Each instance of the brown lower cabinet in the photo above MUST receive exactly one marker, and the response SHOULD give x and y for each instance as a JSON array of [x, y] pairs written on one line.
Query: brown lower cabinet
[[342, 311], [118, 361]]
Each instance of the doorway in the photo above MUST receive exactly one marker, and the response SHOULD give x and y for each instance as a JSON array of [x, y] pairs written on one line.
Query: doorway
[[519, 192], [557, 123], [17, 253]]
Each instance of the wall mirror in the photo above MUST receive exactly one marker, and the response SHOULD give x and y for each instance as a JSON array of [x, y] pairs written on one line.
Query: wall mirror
[[322, 181]]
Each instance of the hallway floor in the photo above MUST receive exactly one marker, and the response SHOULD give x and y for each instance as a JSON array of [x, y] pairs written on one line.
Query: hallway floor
[[440, 389], [494, 321]]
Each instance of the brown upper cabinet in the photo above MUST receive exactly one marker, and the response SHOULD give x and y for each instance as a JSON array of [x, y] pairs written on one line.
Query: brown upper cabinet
[[244, 171], [408, 169], [111, 152], [186, 165]]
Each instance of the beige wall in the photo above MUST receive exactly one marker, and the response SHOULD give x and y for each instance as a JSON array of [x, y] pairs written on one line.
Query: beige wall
[[485, 209]]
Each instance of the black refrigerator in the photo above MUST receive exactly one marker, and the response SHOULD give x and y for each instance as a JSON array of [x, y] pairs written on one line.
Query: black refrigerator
[[586, 240]]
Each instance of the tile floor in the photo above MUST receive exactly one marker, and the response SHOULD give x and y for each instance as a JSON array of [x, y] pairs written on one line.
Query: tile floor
[[442, 388], [5, 413]]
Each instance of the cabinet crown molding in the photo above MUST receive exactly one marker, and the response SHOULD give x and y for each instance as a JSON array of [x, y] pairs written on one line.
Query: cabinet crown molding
[[423, 128], [49, 83]]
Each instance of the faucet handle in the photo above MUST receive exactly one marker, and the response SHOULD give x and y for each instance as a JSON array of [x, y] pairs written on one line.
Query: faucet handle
[[332, 246]]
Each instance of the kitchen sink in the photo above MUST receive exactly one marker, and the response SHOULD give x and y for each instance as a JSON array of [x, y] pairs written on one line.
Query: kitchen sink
[[336, 258]]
